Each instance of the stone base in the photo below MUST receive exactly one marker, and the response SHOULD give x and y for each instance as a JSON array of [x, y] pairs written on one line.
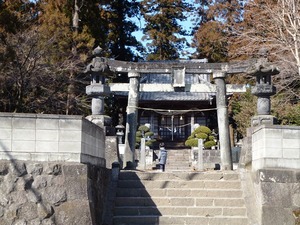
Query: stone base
[[100, 120], [263, 120]]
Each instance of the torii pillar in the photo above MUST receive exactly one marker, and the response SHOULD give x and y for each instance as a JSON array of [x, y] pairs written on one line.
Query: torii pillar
[[223, 121], [131, 120]]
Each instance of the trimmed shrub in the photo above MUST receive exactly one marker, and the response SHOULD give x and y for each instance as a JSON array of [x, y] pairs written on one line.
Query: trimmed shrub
[[201, 132], [143, 128], [192, 142], [211, 138], [202, 129], [201, 136], [209, 144], [143, 132], [149, 134], [138, 134]]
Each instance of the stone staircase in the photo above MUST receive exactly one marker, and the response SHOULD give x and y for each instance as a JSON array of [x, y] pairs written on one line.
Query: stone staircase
[[179, 198], [178, 160]]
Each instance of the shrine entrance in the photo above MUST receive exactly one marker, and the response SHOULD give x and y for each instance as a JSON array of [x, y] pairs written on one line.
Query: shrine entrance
[[164, 82], [172, 127]]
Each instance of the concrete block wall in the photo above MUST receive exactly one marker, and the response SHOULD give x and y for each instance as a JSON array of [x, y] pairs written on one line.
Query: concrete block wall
[[276, 147], [40, 137]]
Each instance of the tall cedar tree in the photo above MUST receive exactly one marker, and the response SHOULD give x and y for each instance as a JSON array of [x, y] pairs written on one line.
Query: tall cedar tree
[[162, 29], [216, 17], [119, 40]]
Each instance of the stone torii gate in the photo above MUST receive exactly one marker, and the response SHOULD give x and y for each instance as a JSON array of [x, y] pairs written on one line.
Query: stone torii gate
[[134, 69]]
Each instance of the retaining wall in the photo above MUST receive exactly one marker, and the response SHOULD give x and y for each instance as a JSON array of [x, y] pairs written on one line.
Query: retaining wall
[[41, 193], [52, 170], [271, 157]]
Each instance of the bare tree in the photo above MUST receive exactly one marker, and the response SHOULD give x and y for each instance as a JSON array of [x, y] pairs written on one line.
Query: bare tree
[[274, 26]]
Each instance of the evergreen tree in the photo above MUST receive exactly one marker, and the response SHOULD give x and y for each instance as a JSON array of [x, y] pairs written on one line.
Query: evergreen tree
[[162, 29], [120, 41], [213, 29]]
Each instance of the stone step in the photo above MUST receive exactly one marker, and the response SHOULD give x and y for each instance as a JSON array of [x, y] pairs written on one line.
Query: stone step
[[179, 220], [181, 211], [179, 201], [179, 168], [158, 192], [196, 184], [177, 198], [180, 157], [178, 163], [186, 176]]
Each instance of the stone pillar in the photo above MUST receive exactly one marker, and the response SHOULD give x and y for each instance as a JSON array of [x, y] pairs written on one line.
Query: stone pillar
[[97, 105], [223, 121], [131, 120], [263, 89]]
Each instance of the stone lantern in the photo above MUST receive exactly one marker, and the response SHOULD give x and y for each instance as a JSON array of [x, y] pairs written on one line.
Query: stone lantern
[[263, 89], [98, 89]]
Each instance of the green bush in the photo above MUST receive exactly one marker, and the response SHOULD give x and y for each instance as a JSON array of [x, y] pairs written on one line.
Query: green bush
[[201, 136], [209, 144], [150, 142], [192, 142], [143, 128], [149, 134], [201, 132], [143, 132], [138, 134], [202, 129], [211, 138], [138, 139]]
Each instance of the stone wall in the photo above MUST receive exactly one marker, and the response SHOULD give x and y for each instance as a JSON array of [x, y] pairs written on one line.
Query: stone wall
[[39, 193], [278, 194], [211, 157], [271, 155], [111, 151], [40, 137]]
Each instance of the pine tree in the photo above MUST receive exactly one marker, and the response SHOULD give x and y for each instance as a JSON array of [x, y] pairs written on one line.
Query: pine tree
[[162, 29]]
